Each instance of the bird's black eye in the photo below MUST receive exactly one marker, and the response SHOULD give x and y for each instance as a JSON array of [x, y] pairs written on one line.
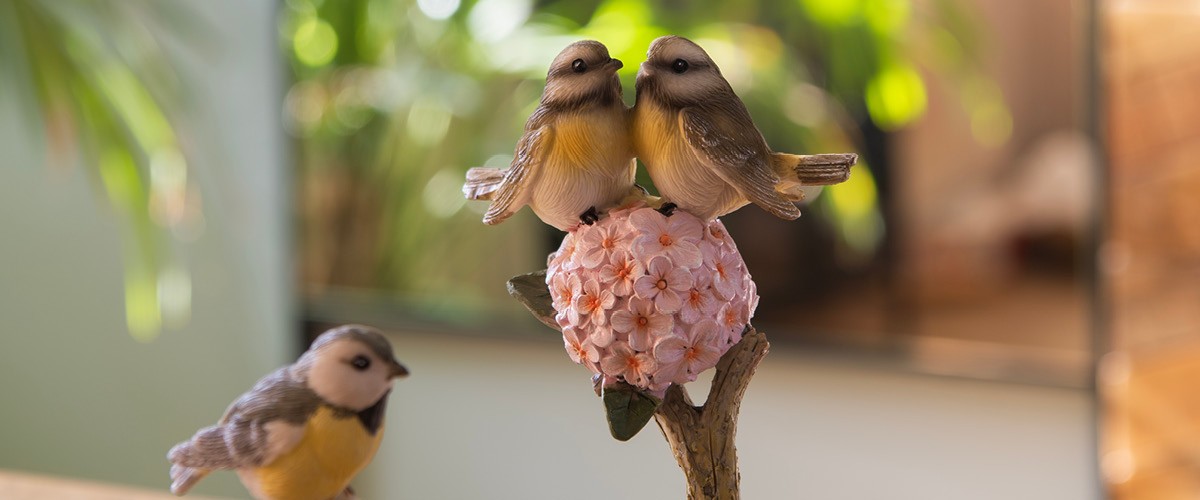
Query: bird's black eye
[[578, 66], [360, 363], [679, 66]]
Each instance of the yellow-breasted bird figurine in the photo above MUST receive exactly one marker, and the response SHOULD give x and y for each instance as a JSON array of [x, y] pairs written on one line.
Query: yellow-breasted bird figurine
[[575, 159], [304, 431], [698, 142]]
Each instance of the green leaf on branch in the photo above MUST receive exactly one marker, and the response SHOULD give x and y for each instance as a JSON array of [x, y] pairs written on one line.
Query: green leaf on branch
[[628, 409], [531, 291]]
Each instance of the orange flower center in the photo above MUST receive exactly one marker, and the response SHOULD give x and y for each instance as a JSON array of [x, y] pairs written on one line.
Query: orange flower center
[[642, 321], [665, 240], [608, 243], [633, 363], [691, 354], [721, 269], [662, 284], [694, 298]]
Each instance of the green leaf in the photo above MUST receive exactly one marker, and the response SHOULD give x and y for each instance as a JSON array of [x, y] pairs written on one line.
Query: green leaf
[[531, 291], [628, 409]]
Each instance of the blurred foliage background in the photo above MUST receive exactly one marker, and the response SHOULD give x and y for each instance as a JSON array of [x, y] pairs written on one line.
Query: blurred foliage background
[[100, 90], [392, 100]]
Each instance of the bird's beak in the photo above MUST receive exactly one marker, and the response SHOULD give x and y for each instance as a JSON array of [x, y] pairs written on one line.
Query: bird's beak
[[398, 370], [614, 64]]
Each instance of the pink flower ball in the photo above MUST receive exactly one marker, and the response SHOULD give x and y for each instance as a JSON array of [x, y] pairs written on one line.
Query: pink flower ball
[[649, 299]]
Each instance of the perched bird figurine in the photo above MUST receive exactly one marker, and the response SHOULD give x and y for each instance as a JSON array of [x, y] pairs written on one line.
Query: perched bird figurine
[[698, 142], [304, 431], [576, 158]]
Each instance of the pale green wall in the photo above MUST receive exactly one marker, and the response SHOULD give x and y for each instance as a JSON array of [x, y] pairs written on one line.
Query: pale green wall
[[80, 397]]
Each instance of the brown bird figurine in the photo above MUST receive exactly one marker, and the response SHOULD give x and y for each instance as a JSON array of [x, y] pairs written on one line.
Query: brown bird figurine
[[575, 159], [698, 142]]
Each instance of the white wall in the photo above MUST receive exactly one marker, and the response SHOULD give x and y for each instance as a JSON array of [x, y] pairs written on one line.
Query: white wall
[[486, 418], [79, 396]]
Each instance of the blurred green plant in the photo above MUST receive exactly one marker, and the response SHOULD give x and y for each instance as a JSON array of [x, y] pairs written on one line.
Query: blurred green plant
[[99, 91], [393, 100]]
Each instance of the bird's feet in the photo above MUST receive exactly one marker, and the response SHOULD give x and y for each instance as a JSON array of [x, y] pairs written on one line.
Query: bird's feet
[[589, 217], [346, 494], [668, 209]]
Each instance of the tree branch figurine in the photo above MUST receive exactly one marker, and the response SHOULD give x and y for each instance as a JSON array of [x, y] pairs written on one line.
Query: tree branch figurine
[[649, 292]]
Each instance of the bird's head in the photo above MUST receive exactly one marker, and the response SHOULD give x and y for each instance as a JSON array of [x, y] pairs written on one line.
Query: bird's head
[[678, 72], [351, 366], [583, 74]]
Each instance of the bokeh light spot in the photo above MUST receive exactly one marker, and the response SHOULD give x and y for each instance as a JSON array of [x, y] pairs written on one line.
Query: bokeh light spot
[[495, 20], [895, 96], [832, 12], [315, 42], [443, 193], [438, 9]]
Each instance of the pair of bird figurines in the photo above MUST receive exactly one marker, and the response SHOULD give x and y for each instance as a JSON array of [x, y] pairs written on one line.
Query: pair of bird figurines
[[692, 132]]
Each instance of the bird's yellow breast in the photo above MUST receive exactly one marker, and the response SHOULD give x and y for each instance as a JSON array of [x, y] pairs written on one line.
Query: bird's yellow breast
[[333, 450], [596, 141], [679, 176]]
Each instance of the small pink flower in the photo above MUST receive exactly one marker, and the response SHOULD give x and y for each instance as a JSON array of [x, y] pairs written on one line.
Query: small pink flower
[[641, 323], [716, 234], [732, 320], [597, 245], [622, 271], [663, 283], [566, 252], [580, 348], [674, 237], [698, 301], [691, 350], [564, 288], [709, 252], [727, 275], [593, 302], [602, 336], [635, 367]]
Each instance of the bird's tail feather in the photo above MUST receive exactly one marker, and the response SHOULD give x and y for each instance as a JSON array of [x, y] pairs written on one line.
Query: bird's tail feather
[[482, 183], [183, 478], [795, 171]]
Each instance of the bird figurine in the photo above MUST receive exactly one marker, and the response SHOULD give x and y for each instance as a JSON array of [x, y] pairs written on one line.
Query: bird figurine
[[575, 159], [698, 142], [305, 430]]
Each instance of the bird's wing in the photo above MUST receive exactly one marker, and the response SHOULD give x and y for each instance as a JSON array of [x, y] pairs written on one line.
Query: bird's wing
[[728, 143], [515, 189], [260, 426]]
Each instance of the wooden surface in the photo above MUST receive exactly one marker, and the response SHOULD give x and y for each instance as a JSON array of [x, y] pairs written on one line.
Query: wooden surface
[[1151, 259], [25, 486]]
